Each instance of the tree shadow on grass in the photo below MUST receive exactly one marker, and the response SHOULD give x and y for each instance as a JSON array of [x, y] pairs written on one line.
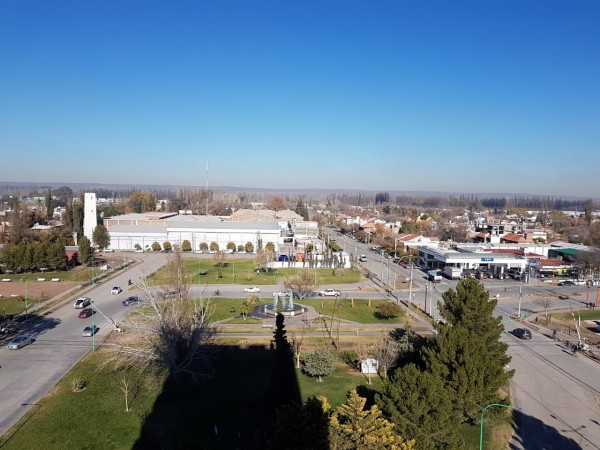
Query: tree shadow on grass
[[233, 409], [532, 433]]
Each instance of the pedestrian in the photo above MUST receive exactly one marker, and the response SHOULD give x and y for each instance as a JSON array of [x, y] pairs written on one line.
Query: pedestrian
[[554, 335]]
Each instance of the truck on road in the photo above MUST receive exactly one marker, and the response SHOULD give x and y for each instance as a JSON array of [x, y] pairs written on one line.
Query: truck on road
[[454, 273], [434, 276]]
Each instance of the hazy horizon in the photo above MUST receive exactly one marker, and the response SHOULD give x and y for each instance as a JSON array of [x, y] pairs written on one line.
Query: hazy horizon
[[430, 96]]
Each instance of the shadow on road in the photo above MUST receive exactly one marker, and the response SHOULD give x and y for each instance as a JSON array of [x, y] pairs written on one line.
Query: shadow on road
[[33, 325], [533, 433]]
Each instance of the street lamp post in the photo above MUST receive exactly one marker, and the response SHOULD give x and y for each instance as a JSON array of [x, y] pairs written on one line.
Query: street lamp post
[[481, 426]]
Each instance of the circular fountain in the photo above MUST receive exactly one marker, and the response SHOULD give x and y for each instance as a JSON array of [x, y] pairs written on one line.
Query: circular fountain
[[283, 302]]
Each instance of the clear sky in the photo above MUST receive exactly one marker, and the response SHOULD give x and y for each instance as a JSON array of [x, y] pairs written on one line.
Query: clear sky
[[481, 96]]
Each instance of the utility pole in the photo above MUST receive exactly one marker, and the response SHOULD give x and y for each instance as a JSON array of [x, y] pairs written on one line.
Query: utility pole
[[410, 283], [520, 295]]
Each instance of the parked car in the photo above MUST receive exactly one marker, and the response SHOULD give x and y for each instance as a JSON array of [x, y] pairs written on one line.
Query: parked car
[[87, 312], [116, 290], [18, 342], [139, 250], [564, 297], [90, 331], [130, 300], [82, 302], [522, 333], [329, 293], [108, 250], [252, 290], [566, 283]]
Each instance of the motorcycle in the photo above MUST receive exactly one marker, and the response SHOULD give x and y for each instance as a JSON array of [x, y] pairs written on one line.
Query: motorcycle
[[217, 293]]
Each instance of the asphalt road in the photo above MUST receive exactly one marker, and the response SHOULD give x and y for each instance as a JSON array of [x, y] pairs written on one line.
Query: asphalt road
[[555, 394], [27, 374]]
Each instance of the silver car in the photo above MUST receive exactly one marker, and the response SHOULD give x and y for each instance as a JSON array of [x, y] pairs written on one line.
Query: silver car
[[89, 331], [18, 342]]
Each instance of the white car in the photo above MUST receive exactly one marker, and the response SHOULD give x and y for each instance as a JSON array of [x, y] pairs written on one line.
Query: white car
[[82, 302], [116, 290], [139, 250], [252, 290], [282, 293], [329, 293], [108, 250]]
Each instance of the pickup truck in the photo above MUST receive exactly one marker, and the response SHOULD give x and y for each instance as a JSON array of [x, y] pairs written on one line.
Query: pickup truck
[[329, 293]]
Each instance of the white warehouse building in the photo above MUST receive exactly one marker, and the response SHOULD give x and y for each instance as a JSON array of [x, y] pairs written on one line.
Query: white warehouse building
[[130, 230]]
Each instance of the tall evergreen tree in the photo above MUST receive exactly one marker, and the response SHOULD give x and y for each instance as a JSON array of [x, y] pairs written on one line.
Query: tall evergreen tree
[[85, 250], [49, 205], [422, 409], [468, 353], [101, 237]]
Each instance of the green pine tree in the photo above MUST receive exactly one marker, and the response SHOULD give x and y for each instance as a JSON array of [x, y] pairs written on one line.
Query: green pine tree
[[422, 409]]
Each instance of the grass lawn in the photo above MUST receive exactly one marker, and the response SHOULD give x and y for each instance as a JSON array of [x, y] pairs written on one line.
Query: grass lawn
[[242, 271], [586, 314], [335, 386], [361, 312], [235, 399], [230, 308], [90, 419], [496, 432]]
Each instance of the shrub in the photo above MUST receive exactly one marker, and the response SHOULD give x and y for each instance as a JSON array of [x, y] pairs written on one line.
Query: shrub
[[77, 384]]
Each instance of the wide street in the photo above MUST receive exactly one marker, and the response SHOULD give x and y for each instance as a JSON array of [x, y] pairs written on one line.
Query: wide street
[[27, 374]]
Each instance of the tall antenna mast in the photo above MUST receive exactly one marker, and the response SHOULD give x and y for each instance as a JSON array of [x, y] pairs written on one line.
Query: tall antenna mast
[[206, 193]]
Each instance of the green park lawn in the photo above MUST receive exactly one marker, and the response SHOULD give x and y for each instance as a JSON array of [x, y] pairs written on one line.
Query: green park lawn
[[230, 308], [363, 310], [243, 272], [586, 314], [234, 398]]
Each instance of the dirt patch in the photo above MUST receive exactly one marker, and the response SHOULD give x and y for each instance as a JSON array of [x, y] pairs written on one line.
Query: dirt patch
[[34, 290]]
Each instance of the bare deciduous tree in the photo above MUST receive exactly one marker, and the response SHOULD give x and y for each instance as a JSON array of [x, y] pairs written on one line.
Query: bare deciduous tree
[[545, 303], [125, 387], [297, 341], [386, 352], [304, 283], [172, 334], [263, 258]]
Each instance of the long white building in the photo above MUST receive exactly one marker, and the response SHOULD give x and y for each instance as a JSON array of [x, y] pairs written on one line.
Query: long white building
[[144, 229]]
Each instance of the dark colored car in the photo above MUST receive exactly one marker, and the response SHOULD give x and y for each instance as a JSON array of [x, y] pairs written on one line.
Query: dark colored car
[[85, 313], [522, 333], [129, 300], [566, 283]]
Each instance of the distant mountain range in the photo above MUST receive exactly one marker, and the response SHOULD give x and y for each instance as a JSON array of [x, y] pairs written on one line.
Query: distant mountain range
[[7, 185]]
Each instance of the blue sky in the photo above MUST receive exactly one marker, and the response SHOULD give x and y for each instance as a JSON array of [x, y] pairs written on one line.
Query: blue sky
[[482, 96]]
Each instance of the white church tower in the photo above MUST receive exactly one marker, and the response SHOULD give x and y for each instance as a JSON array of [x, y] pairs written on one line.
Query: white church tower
[[89, 215]]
